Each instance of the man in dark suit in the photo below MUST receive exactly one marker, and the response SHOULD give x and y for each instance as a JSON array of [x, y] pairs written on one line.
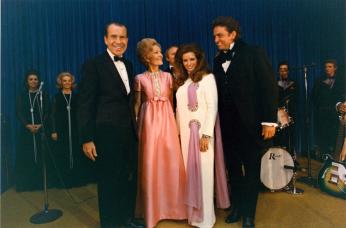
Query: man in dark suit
[[170, 58], [247, 108], [288, 94], [327, 91], [106, 126]]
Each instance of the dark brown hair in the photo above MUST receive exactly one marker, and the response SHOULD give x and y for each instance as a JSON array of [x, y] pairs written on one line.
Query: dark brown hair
[[332, 61], [229, 22], [201, 68], [105, 33], [170, 47], [27, 74], [285, 62]]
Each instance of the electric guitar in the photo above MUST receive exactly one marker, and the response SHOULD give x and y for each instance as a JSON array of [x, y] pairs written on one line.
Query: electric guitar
[[341, 141], [332, 176]]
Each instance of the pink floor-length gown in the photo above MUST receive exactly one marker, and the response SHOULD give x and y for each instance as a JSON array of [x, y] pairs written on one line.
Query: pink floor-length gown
[[161, 179]]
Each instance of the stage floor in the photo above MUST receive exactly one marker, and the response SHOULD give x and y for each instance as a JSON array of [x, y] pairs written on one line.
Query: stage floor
[[274, 209]]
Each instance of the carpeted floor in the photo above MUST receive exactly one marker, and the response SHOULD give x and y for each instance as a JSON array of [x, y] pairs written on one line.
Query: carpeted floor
[[275, 209]]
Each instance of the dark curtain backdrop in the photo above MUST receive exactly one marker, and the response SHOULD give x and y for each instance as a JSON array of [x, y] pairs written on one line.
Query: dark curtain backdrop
[[59, 35]]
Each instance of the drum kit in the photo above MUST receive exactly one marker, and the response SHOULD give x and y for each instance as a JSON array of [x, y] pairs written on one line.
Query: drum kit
[[279, 166]]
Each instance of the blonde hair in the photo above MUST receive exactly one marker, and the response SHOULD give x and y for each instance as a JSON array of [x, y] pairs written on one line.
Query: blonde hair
[[64, 74], [144, 47]]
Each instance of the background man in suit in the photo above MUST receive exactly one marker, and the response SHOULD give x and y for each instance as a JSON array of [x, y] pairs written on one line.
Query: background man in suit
[[106, 126], [288, 93], [248, 108], [170, 58], [327, 91]]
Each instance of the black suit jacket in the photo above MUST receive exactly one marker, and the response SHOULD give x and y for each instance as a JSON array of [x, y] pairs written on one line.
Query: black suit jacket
[[103, 100], [324, 97], [168, 69], [324, 100], [250, 79]]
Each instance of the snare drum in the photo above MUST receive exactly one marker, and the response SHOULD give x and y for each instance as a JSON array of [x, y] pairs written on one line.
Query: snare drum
[[276, 168], [284, 119]]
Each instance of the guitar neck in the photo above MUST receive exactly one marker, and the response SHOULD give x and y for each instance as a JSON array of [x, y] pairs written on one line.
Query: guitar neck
[[341, 136], [343, 121]]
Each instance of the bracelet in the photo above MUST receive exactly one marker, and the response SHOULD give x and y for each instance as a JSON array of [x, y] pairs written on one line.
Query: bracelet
[[206, 136]]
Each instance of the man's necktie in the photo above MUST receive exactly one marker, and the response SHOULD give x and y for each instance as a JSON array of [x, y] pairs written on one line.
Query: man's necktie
[[226, 56], [117, 58]]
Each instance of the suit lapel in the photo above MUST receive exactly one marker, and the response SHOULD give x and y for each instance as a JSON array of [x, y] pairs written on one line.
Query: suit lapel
[[129, 73], [236, 48], [114, 72]]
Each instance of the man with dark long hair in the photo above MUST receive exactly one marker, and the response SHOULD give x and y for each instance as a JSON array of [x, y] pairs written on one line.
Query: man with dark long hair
[[247, 106]]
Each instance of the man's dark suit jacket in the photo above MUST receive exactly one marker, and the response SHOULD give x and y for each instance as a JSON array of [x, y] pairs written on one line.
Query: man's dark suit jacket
[[168, 69], [106, 117], [103, 98], [250, 81], [326, 120]]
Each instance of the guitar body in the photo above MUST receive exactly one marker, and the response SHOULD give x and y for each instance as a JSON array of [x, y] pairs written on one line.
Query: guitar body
[[332, 177]]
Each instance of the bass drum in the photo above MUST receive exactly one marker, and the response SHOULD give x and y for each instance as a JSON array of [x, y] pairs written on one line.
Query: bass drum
[[276, 168]]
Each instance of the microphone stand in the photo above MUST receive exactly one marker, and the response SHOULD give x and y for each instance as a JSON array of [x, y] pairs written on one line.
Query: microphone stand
[[46, 215], [308, 180]]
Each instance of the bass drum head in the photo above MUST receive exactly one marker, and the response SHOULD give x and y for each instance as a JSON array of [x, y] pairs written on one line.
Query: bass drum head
[[274, 175]]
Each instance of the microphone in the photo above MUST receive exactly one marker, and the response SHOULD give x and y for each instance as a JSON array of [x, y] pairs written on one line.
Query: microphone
[[304, 67], [310, 65]]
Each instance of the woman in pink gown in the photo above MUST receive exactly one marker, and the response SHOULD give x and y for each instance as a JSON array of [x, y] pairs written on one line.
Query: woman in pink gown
[[161, 173]]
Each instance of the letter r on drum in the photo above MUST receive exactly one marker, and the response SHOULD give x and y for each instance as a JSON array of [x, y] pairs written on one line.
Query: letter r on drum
[[271, 156]]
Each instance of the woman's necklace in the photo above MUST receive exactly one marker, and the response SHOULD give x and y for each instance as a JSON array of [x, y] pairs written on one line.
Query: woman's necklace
[[32, 104], [68, 107], [155, 75]]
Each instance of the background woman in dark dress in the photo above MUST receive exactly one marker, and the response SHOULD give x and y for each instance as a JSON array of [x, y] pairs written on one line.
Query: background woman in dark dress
[[28, 168], [73, 166]]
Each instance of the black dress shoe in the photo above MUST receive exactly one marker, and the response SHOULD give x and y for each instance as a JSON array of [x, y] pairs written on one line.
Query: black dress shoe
[[248, 222], [234, 216]]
